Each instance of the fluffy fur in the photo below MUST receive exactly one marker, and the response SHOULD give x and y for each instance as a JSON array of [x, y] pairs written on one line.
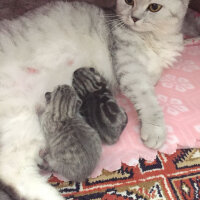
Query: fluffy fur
[[73, 147], [8, 193], [43, 48], [99, 106]]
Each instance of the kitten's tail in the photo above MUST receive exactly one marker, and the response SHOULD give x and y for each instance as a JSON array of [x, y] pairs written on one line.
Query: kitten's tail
[[8, 193]]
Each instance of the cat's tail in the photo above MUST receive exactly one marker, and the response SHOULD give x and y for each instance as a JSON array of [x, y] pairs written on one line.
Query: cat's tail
[[8, 193], [20, 141], [28, 187]]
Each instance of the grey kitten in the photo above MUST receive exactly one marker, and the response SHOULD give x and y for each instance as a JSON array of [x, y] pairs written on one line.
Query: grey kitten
[[73, 147], [99, 106]]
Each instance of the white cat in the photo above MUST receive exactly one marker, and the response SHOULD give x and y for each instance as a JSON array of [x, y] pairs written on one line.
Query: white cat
[[43, 48]]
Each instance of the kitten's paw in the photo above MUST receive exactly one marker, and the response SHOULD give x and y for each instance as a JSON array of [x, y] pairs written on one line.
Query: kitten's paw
[[153, 136]]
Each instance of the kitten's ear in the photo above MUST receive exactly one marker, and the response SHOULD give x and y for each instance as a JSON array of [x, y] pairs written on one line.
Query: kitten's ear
[[78, 105], [48, 97], [73, 106]]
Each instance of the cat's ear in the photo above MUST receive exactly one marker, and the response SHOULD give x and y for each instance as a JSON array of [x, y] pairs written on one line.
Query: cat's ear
[[48, 97], [186, 2]]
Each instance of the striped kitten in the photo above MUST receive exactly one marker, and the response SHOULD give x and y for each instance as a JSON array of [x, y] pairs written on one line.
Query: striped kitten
[[99, 106], [73, 147]]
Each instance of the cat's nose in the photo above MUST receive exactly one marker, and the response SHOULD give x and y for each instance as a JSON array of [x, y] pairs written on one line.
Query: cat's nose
[[135, 19]]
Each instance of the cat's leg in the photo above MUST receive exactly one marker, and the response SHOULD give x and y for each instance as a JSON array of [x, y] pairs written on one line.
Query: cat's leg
[[99, 106], [20, 142], [136, 84]]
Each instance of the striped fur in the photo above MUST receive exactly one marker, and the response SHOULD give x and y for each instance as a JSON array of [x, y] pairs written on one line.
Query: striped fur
[[73, 147], [99, 107]]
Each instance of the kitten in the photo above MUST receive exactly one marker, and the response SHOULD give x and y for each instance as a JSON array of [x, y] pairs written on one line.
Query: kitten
[[40, 50], [73, 147], [99, 106]]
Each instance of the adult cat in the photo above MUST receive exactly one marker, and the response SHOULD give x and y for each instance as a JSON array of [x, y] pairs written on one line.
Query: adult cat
[[43, 48]]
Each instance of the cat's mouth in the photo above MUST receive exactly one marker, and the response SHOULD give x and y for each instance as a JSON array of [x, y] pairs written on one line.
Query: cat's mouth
[[133, 23]]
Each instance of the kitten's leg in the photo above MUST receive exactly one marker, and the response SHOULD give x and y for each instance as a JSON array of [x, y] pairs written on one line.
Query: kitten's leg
[[99, 107], [136, 84], [20, 142]]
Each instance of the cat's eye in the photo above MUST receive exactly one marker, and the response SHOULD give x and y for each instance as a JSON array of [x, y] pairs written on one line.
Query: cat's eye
[[154, 7], [130, 2], [48, 96]]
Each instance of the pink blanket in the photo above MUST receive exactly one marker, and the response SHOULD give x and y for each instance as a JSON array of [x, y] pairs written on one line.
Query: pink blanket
[[178, 92]]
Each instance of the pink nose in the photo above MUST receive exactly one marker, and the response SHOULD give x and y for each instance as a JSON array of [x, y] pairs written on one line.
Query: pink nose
[[135, 19]]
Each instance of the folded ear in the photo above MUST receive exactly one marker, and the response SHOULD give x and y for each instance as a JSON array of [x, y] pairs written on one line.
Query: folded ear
[[48, 97], [78, 105], [73, 105], [186, 2]]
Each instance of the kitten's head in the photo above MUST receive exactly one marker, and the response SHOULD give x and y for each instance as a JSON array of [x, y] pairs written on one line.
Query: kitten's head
[[152, 15], [62, 103]]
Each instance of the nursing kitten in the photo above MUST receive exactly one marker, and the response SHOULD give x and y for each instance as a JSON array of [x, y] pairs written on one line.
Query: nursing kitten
[[73, 147], [43, 49], [99, 106]]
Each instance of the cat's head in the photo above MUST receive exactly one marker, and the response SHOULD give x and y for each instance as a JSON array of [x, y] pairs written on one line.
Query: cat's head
[[152, 15]]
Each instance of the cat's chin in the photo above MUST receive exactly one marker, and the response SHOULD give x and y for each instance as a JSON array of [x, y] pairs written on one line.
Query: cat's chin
[[137, 29]]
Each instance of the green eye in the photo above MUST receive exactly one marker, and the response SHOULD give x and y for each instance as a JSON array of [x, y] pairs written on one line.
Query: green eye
[[154, 7], [130, 2]]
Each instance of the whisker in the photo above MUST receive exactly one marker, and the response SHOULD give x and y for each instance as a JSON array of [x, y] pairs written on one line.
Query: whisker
[[119, 25]]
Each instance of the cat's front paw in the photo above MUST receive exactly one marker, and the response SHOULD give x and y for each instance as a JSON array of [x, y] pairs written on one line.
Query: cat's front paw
[[152, 135]]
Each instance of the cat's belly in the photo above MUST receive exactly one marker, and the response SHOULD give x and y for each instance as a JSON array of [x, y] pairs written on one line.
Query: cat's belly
[[31, 81]]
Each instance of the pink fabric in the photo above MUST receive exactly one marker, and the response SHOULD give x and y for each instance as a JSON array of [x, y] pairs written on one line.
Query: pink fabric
[[178, 92]]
